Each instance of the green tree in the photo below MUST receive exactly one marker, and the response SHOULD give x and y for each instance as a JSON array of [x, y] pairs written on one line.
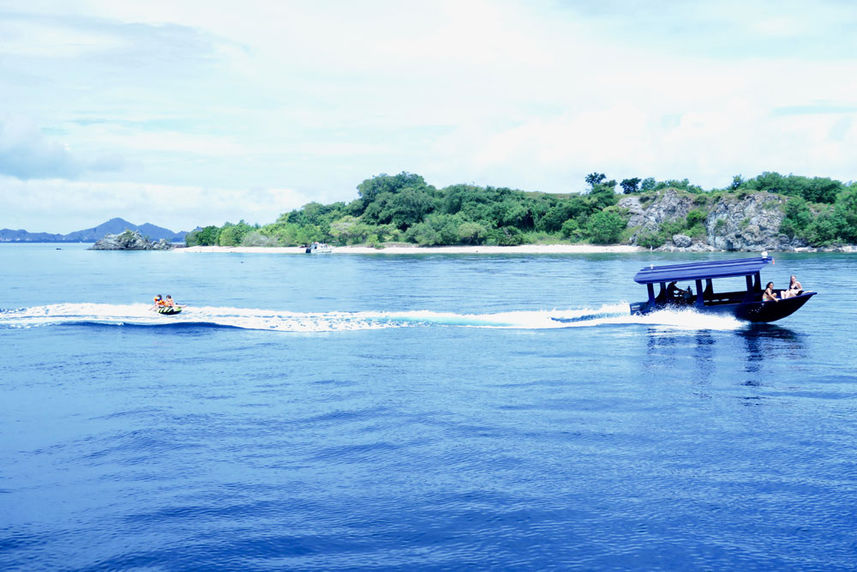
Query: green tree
[[554, 218], [471, 232], [233, 234], [207, 236], [603, 196], [571, 229], [797, 218], [593, 179], [650, 240], [815, 190], [513, 213], [737, 181], [605, 227], [506, 236], [370, 189], [825, 229], [409, 206], [437, 229], [630, 185], [648, 184], [846, 206]]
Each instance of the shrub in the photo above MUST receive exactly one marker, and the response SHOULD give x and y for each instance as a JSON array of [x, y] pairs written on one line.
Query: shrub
[[697, 231], [797, 218], [571, 230], [671, 227], [694, 217], [472, 233], [505, 236], [256, 238], [605, 227], [650, 240], [207, 236]]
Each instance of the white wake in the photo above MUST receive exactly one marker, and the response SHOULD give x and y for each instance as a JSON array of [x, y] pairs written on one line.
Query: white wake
[[284, 321]]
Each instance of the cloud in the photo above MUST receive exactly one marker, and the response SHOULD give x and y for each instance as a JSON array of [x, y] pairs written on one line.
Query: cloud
[[55, 205], [26, 153], [315, 97]]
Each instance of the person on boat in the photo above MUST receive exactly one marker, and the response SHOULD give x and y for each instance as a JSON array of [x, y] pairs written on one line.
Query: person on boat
[[169, 302], [159, 301], [795, 288], [672, 291], [768, 295]]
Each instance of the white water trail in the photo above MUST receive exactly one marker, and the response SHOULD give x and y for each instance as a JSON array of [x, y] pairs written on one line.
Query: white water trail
[[284, 321]]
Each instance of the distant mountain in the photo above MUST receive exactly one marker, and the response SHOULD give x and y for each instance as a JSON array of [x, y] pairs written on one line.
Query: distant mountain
[[112, 226]]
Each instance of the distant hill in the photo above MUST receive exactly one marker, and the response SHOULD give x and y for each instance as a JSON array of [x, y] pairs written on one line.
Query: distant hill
[[112, 226]]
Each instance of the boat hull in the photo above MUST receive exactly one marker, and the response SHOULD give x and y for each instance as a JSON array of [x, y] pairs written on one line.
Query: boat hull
[[752, 311]]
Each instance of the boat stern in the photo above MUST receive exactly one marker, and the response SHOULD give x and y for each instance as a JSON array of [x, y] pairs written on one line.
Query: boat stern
[[638, 308]]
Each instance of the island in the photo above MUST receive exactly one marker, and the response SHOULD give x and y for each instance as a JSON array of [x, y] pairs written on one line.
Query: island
[[768, 212]]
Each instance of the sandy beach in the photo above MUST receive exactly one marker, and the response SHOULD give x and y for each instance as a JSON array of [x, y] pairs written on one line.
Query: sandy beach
[[399, 249]]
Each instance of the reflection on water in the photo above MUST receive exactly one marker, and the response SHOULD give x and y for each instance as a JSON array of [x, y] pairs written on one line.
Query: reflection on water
[[764, 341], [704, 355], [767, 343], [752, 356]]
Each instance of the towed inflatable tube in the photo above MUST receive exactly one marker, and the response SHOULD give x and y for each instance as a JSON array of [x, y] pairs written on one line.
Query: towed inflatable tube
[[168, 310]]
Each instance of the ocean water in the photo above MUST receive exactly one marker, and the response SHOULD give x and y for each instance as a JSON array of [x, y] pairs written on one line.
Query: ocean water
[[417, 412]]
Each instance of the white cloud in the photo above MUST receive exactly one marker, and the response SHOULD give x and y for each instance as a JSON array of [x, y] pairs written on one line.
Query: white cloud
[[318, 96], [61, 206], [27, 154]]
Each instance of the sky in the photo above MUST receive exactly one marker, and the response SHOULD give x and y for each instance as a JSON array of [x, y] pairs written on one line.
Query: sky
[[186, 113]]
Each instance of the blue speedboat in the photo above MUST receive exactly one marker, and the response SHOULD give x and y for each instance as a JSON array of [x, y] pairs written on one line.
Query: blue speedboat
[[744, 304]]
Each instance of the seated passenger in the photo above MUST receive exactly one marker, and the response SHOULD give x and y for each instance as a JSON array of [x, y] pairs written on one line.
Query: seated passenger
[[795, 287], [672, 291], [159, 301], [768, 295], [169, 301]]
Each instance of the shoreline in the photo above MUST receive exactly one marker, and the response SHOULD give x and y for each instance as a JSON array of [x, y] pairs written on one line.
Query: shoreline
[[521, 249]]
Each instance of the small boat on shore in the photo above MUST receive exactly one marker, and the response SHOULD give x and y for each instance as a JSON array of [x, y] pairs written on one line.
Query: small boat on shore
[[746, 304], [319, 248]]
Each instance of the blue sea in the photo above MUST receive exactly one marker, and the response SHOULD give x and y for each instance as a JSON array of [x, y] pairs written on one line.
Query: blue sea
[[417, 412]]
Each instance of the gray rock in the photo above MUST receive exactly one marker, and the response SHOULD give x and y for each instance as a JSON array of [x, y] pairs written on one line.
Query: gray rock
[[129, 240], [749, 224], [682, 240], [666, 207]]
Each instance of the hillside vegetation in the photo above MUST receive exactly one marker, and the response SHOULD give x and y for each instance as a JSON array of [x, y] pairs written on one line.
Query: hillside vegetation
[[404, 208]]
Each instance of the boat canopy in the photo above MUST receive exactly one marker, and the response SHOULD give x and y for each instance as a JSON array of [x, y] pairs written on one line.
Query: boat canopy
[[702, 270]]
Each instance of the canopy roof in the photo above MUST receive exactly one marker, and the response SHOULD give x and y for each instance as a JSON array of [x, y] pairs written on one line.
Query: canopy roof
[[702, 270]]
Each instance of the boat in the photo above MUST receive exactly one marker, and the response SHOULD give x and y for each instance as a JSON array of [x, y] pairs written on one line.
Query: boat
[[745, 304], [169, 310], [319, 248]]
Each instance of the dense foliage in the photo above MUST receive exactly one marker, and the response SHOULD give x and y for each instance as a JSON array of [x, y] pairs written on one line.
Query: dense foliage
[[404, 208], [820, 211]]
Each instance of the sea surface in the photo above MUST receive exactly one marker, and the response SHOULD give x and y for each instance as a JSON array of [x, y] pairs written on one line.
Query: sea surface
[[417, 412]]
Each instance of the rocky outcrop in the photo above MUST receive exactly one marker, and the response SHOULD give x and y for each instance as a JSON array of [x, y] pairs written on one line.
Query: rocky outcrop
[[129, 240], [648, 218], [751, 223], [747, 222]]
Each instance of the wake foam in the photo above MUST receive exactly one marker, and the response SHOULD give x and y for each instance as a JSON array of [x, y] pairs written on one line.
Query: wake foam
[[282, 321]]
